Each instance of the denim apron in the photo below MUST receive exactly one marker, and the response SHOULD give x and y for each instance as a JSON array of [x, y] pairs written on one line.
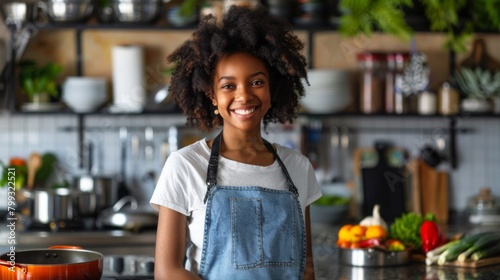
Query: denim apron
[[251, 232]]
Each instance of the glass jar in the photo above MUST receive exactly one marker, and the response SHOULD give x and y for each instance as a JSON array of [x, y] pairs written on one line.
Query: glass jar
[[484, 203], [371, 82], [448, 100], [390, 72], [401, 102], [427, 103]]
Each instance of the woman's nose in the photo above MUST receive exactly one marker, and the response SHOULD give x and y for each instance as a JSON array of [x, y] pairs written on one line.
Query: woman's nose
[[244, 94]]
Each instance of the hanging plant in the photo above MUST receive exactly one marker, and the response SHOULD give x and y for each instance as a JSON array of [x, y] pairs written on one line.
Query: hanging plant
[[367, 16], [443, 17]]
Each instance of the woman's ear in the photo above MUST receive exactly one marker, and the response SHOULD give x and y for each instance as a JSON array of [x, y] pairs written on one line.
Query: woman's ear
[[211, 95]]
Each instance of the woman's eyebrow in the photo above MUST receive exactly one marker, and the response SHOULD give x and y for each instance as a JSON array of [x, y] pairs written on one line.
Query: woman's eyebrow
[[232, 78]]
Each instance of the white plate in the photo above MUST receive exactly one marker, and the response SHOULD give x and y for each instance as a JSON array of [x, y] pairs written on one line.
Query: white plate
[[41, 107]]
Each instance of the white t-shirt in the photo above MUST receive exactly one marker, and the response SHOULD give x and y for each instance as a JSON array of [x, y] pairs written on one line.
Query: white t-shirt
[[182, 185]]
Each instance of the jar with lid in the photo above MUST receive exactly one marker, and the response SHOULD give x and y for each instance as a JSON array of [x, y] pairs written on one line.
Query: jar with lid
[[484, 207], [371, 82], [448, 100], [427, 103]]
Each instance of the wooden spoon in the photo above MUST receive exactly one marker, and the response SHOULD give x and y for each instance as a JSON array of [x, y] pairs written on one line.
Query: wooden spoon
[[34, 163]]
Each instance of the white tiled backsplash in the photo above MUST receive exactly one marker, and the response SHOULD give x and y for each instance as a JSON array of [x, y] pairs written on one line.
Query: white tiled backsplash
[[478, 150]]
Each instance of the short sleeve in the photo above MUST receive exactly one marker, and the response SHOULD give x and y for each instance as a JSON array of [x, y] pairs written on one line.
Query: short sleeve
[[170, 191]]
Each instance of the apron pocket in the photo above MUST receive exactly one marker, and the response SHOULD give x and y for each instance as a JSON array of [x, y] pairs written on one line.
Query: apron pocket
[[246, 229], [259, 241]]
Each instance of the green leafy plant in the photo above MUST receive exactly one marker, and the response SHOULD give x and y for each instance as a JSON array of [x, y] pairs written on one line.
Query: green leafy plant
[[366, 16], [486, 14], [478, 83], [37, 80], [443, 16]]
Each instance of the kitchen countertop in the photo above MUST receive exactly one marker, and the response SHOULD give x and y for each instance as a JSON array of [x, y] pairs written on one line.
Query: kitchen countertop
[[327, 264], [326, 260]]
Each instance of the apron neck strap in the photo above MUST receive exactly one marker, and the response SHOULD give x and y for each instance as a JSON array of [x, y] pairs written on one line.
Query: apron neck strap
[[291, 185], [213, 164]]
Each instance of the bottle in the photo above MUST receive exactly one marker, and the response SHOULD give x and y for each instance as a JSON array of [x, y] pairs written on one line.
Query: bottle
[[448, 100], [400, 100], [371, 82]]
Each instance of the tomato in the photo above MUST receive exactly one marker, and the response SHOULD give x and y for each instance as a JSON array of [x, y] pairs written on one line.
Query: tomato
[[16, 161]]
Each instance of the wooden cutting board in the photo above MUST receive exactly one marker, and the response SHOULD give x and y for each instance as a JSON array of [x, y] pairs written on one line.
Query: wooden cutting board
[[433, 191], [467, 263]]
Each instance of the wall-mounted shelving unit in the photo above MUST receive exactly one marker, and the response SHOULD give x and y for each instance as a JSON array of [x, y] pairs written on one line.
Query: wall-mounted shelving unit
[[417, 24]]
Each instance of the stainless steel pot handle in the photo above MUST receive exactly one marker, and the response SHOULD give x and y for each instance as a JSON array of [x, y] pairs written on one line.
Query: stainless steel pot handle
[[123, 201]]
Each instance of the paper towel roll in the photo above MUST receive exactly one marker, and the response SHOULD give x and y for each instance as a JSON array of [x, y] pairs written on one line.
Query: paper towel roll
[[129, 90]]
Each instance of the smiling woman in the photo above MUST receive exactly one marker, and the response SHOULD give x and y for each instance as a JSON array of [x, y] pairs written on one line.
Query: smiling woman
[[236, 206]]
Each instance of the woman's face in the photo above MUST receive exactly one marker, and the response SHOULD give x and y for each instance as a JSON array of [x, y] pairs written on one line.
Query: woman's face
[[241, 91]]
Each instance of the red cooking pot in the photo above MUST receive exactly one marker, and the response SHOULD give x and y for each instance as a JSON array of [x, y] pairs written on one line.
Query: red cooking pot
[[57, 262]]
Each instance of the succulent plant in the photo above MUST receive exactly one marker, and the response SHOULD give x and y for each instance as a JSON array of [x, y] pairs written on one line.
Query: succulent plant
[[478, 83]]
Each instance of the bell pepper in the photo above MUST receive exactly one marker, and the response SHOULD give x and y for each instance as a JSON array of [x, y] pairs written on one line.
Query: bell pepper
[[431, 236], [368, 243]]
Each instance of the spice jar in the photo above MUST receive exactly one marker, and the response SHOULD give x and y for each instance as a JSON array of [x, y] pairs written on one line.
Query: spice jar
[[400, 100], [448, 100], [371, 82], [390, 72]]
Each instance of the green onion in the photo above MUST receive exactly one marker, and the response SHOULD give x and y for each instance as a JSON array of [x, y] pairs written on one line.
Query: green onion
[[480, 244], [492, 251], [453, 251]]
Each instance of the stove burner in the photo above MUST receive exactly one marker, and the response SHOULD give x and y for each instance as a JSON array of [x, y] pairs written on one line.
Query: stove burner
[[128, 267]]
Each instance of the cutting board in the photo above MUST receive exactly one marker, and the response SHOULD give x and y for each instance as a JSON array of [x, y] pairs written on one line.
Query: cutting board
[[433, 191], [467, 263]]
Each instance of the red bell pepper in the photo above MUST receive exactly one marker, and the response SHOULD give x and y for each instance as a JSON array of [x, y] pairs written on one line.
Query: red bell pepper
[[368, 243], [431, 236]]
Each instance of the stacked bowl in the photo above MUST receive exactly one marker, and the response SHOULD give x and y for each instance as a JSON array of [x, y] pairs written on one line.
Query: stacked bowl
[[329, 91], [84, 94]]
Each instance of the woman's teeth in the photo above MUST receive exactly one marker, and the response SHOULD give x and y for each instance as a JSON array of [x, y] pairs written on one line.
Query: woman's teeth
[[244, 112]]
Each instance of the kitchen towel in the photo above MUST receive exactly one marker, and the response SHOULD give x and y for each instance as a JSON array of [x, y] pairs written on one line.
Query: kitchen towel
[[129, 89]]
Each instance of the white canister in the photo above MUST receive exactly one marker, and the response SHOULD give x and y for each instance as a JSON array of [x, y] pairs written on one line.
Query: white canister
[[427, 103], [129, 88]]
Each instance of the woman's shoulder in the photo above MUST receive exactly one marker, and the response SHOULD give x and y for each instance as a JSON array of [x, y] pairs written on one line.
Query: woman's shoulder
[[192, 152], [290, 155]]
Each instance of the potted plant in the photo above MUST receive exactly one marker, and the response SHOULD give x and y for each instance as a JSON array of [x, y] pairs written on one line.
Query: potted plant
[[39, 83], [479, 87]]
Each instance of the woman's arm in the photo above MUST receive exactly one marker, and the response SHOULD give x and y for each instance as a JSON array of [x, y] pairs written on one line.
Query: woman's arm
[[309, 271], [171, 246]]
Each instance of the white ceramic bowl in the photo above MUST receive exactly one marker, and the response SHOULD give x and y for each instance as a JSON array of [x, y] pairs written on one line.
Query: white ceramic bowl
[[325, 102], [84, 94]]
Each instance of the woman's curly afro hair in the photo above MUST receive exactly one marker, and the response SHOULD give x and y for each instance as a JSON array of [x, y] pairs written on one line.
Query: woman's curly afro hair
[[242, 29]]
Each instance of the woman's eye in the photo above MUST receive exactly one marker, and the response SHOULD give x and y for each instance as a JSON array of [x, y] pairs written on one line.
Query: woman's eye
[[257, 83], [227, 86]]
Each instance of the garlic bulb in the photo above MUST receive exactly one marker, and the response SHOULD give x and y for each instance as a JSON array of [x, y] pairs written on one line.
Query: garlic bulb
[[375, 219]]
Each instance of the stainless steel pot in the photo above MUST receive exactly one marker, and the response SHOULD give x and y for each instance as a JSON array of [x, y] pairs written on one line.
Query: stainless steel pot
[[136, 11], [68, 10], [105, 188], [18, 12], [375, 257], [51, 205]]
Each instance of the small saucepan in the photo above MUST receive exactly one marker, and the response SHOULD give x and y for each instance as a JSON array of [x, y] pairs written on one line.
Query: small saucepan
[[57, 262]]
